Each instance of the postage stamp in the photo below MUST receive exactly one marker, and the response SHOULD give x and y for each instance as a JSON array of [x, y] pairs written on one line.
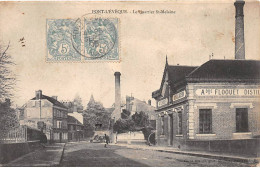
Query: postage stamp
[[101, 39], [83, 39], [59, 46]]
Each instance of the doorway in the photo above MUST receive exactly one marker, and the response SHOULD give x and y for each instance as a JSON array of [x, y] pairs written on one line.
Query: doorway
[[60, 137], [171, 129]]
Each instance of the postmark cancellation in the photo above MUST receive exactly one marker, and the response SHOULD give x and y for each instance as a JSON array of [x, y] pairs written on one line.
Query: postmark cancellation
[[82, 40]]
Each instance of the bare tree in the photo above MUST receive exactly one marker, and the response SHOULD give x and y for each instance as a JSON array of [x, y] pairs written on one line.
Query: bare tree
[[7, 78]]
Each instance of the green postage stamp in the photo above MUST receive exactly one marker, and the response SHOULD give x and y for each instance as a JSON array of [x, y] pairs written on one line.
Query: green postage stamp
[[83, 39]]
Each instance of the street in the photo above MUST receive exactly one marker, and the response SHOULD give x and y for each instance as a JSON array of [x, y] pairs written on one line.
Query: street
[[95, 155]]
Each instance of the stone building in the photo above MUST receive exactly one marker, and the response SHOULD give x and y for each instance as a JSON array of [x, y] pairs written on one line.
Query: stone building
[[48, 114]]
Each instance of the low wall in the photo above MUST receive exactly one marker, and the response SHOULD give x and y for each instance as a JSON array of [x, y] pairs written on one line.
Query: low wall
[[134, 138], [11, 151], [245, 147]]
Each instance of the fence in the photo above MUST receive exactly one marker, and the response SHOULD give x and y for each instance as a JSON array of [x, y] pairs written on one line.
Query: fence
[[20, 134]]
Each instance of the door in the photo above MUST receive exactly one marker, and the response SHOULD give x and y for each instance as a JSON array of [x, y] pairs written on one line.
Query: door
[[171, 129], [60, 137]]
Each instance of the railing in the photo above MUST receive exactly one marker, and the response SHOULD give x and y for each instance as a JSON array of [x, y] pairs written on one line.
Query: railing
[[20, 134]]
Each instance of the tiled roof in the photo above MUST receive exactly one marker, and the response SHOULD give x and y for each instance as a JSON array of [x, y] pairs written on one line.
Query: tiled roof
[[227, 70], [215, 71], [177, 73], [52, 100]]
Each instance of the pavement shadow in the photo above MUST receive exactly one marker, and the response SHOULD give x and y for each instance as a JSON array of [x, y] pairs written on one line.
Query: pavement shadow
[[97, 157]]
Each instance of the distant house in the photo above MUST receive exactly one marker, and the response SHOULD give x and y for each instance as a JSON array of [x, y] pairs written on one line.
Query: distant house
[[49, 115], [134, 105], [72, 106], [75, 129]]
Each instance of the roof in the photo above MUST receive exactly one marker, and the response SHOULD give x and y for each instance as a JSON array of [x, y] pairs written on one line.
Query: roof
[[52, 100], [215, 71], [227, 70], [177, 73], [143, 106], [73, 120]]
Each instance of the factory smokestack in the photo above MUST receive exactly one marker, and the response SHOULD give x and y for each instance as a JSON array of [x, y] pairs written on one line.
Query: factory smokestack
[[117, 111], [239, 30]]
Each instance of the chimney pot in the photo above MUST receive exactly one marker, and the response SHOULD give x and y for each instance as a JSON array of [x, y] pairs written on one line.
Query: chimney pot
[[54, 97], [38, 94], [149, 102]]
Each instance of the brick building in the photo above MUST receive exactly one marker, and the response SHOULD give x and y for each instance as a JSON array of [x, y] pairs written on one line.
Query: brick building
[[213, 107], [218, 100], [48, 114]]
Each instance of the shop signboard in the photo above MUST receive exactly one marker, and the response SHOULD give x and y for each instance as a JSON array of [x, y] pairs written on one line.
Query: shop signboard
[[179, 95], [162, 102], [228, 92]]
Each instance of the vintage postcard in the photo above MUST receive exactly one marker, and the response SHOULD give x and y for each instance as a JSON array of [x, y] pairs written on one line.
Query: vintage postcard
[[130, 83]]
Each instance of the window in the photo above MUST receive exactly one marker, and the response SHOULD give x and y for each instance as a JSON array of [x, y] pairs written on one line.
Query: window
[[59, 124], [33, 103], [162, 125], [241, 120], [205, 121], [54, 112], [179, 123]]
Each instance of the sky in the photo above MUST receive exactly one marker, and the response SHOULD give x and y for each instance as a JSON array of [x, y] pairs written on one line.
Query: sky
[[196, 30]]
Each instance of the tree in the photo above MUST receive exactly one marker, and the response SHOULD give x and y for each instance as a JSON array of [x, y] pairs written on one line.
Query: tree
[[8, 118], [7, 78], [78, 101], [124, 125], [140, 119], [96, 114], [125, 114], [89, 124]]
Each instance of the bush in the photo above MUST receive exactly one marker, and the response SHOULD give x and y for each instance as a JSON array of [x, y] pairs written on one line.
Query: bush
[[124, 125]]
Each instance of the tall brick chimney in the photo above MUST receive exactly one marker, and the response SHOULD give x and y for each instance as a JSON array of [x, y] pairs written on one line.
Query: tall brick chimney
[[117, 111], [239, 30]]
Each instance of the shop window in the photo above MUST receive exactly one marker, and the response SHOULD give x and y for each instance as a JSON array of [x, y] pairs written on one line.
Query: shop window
[[205, 121], [179, 123], [162, 125], [241, 120]]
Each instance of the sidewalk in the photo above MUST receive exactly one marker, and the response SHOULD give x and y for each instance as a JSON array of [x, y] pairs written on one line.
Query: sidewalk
[[226, 157], [50, 155]]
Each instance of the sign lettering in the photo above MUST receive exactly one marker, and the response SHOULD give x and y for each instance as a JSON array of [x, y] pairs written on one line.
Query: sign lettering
[[227, 92]]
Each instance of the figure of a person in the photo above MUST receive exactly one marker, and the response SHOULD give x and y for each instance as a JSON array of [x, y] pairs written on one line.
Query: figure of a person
[[106, 140]]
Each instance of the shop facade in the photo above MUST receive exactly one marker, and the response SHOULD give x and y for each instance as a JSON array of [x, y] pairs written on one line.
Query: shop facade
[[211, 107]]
